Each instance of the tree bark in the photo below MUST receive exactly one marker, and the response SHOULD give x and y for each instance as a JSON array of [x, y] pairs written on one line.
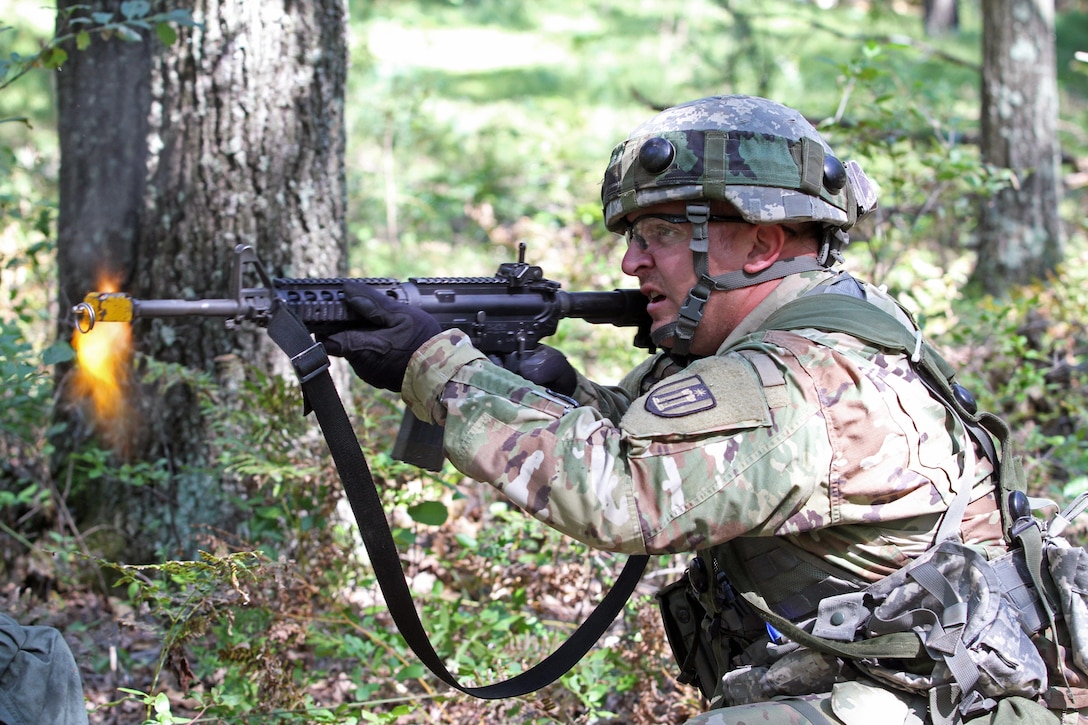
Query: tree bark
[[171, 156], [1020, 235], [941, 17]]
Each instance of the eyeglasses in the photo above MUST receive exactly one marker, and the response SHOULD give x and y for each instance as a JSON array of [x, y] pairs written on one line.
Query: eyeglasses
[[654, 233]]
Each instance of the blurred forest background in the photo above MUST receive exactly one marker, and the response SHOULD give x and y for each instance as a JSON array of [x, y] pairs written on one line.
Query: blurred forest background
[[469, 126]]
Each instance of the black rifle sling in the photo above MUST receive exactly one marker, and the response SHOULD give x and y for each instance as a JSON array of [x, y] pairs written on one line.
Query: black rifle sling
[[312, 367]]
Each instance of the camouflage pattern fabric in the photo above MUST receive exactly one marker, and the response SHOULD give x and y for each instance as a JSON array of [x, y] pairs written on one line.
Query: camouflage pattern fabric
[[848, 703], [993, 648], [855, 703], [1069, 568], [815, 709]]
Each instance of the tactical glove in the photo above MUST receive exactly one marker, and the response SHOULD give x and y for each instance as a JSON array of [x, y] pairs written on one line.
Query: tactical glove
[[380, 354], [544, 366]]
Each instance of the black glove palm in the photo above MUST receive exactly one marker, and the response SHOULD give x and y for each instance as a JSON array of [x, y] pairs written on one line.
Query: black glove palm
[[380, 355], [544, 366]]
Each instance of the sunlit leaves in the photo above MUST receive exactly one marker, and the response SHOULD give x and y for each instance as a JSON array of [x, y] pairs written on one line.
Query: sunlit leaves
[[432, 513], [166, 33], [53, 57], [75, 27]]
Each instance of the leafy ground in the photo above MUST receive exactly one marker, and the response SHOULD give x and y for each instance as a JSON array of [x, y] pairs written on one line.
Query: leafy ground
[[291, 628]]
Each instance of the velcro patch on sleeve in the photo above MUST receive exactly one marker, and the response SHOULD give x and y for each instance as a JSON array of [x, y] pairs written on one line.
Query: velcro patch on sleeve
[[686, 396], [714, 394], [774, 380]]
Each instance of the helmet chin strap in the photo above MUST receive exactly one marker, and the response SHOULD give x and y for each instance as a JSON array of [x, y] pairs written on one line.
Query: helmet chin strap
[[682, 331]]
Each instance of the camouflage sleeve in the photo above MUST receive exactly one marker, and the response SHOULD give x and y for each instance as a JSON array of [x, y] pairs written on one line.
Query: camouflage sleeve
[[614, 400], [645, 485], [556, 460], [611, 401]]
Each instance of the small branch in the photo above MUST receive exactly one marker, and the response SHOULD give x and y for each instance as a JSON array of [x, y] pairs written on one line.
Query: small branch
[[899, 40]]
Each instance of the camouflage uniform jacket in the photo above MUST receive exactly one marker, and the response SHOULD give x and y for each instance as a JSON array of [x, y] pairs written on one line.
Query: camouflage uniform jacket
[[811, 437]]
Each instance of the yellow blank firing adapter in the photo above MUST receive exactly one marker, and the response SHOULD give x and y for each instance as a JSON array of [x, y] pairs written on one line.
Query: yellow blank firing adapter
[[102, 307]]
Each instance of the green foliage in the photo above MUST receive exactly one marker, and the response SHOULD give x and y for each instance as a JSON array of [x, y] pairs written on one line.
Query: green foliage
[[1026, 359], [252, 609], [280, 619], [159, 705], [930, 179], [28, 501], [1071, 31], [79, 24], [599, 675]]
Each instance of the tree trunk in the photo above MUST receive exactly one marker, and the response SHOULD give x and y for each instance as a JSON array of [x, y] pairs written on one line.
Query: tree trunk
[[942, 17], [1020, 235], [171, 156]]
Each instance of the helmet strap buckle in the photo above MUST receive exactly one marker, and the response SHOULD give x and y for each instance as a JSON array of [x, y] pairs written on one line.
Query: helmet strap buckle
[[699, 216], [691, 314], [831, 247]]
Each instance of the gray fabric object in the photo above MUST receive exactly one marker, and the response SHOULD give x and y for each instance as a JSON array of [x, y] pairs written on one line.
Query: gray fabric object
[[39, 678]]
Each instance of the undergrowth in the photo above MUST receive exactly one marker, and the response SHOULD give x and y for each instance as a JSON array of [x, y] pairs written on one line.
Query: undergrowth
[[282, 622]]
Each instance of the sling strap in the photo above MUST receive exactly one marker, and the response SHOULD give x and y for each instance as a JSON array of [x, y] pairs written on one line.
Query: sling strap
[[311, 364]]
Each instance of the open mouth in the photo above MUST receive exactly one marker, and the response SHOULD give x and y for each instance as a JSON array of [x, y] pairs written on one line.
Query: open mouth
[[652, 295], [657, 306]]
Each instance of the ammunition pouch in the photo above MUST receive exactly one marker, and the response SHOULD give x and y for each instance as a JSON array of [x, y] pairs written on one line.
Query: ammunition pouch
[[1065, 645], [975, 619], [799, 671], [965, 631], [952, 626], [1069, 569], [682, 616]]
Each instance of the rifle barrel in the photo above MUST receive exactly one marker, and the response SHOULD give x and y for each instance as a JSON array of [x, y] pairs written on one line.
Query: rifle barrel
[[185, 308], [621, 307]]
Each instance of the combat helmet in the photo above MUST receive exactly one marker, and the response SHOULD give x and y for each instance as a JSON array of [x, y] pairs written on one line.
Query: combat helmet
[[760, 156]]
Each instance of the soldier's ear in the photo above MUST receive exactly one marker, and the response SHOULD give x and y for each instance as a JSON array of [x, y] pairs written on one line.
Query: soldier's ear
[[767, 243]]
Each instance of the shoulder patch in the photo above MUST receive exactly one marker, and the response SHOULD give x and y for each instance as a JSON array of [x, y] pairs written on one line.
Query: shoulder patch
[[715, 394], [680, 398]]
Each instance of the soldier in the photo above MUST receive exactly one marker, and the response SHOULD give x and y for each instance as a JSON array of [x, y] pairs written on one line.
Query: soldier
[[800, 464]]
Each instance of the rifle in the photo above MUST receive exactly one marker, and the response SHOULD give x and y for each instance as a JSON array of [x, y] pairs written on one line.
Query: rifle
[[506, 316]]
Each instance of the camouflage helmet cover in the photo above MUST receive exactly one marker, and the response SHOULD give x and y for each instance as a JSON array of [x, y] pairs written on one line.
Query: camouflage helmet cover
[[762, 157]]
